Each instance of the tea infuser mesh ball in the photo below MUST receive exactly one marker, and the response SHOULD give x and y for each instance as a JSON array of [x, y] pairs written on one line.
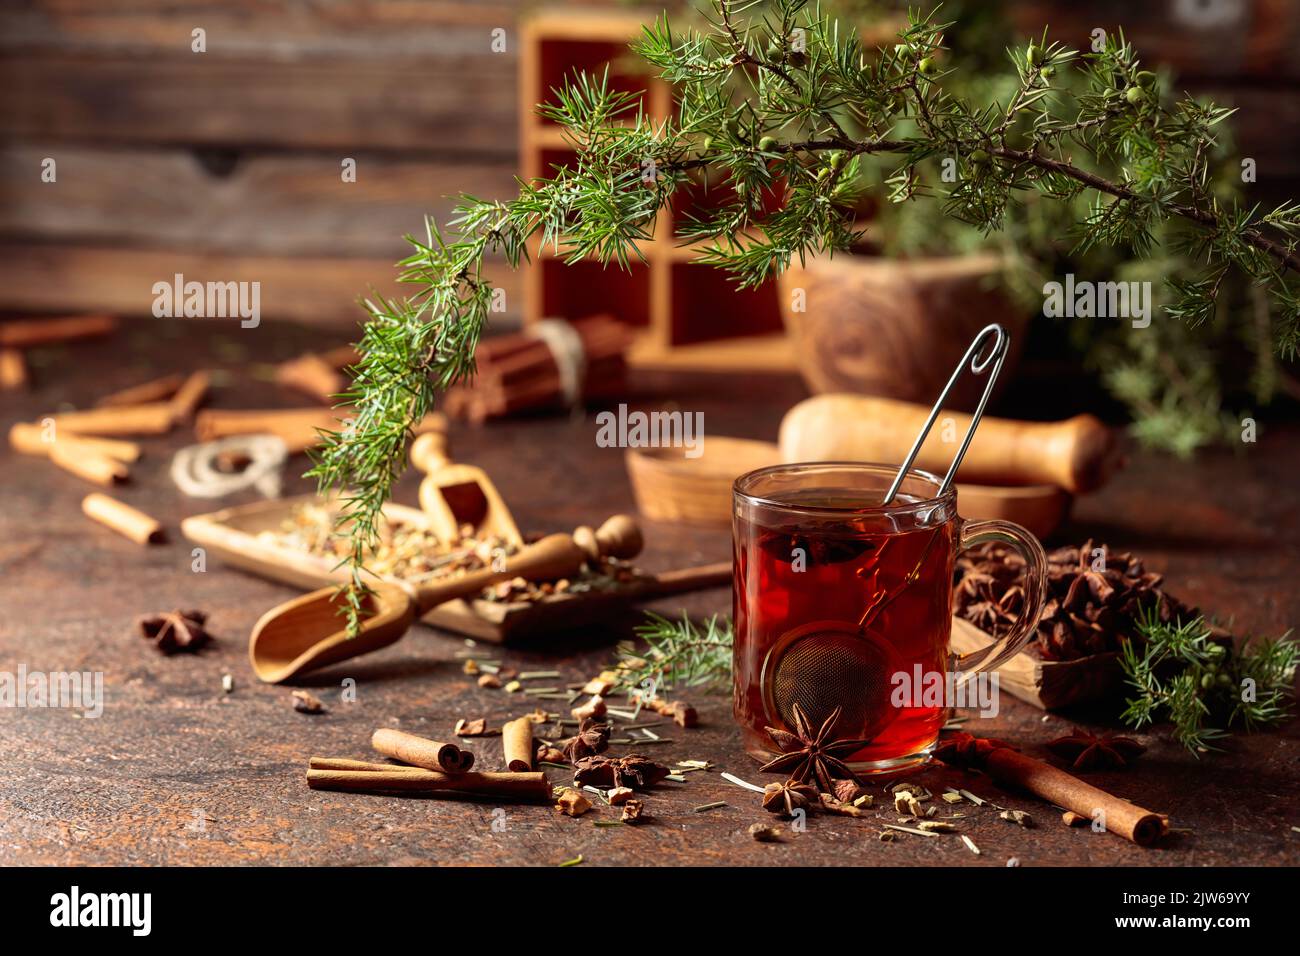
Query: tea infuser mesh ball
[[823, 665], [829, 664]]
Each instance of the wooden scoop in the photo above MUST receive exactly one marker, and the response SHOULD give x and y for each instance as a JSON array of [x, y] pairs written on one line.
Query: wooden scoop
[[308, 633], [454, 495]]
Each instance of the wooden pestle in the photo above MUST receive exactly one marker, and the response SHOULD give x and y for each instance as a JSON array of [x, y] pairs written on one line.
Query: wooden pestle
[[1078, 454]]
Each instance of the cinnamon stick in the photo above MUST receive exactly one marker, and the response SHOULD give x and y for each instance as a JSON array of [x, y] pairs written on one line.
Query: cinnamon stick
[[122, 518], [151, 418], [154, 390], [312, 374], [29, 333], [31, 439], [421, 751], [298, 427], [343, 763], [85, 462], [517, 741], [189, 396], [518, 786], [1010, 767], [13, 370]]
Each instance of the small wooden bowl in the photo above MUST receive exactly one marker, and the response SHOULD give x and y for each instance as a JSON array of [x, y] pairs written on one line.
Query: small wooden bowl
[[668, 486], [671, 487]]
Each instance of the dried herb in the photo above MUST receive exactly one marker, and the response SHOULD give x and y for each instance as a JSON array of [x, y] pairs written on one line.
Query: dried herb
[[635, 770], [809, 755], [830, 804], [1095, 752], [785, 798], [477, 727], [175, 631], [1018, 817], [1096, 597], [592, 738], [847, 791], [305, 702]]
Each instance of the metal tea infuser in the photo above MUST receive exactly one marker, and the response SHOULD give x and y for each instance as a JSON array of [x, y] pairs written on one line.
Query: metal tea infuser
[[827, 664]]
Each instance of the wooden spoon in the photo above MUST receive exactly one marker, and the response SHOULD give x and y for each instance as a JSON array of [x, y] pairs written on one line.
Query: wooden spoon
[[454, 494], [307, 633]]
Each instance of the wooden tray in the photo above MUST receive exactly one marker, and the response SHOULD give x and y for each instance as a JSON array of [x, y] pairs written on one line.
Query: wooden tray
[[231, 534], [1046, 684]]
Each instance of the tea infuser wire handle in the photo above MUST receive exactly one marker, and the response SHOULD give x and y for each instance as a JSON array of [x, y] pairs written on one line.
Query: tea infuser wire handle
[[996, 355]]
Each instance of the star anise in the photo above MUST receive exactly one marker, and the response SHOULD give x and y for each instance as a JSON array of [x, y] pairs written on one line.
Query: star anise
[[1096, 751], [966, 750], [1096, 597], [785, 798], [176, 630], [810, 756], [592, 738], [634, 770]]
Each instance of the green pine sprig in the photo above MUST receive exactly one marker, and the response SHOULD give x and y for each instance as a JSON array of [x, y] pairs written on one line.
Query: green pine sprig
[[785, 95], [1179, 672], [677, 653]]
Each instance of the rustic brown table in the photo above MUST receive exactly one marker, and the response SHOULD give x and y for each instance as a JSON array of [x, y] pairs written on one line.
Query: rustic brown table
[[177, 772]]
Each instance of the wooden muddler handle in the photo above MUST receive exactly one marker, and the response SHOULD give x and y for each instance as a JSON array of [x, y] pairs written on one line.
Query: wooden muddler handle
[[1010, 767], [1078, 454], [520, 786], [517, 741], [421, 751]]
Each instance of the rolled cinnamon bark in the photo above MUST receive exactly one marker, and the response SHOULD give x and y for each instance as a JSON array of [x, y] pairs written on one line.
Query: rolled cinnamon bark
[[155, 390], [30, 439], [299, 427], [122, 518], [26, 334], [89, 464], [151, 418], [13, 370], [189, 396], [344, 763], [421, 751], [519, 786], [517, 741], [1010, 767], [312, 374]]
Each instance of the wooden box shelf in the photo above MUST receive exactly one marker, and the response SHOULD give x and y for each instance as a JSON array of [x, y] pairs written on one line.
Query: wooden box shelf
[[690, 315]]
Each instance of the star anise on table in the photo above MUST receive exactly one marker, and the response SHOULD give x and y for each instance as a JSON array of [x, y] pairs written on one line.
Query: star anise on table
[[966, 750], [592, 738], [175, 630], [785, 798], [812, 756], [1096, 751], [634, 770]]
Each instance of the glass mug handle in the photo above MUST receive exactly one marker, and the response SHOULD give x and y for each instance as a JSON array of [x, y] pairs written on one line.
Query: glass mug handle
[[1034, 585]]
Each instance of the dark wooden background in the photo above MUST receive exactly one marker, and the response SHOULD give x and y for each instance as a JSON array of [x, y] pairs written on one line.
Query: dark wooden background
[[225, 164]]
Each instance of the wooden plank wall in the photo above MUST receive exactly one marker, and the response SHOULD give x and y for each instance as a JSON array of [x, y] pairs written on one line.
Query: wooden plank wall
[[226, 164]]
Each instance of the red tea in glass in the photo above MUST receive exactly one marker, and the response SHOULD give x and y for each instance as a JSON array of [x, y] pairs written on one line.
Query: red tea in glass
[[836, 595]]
